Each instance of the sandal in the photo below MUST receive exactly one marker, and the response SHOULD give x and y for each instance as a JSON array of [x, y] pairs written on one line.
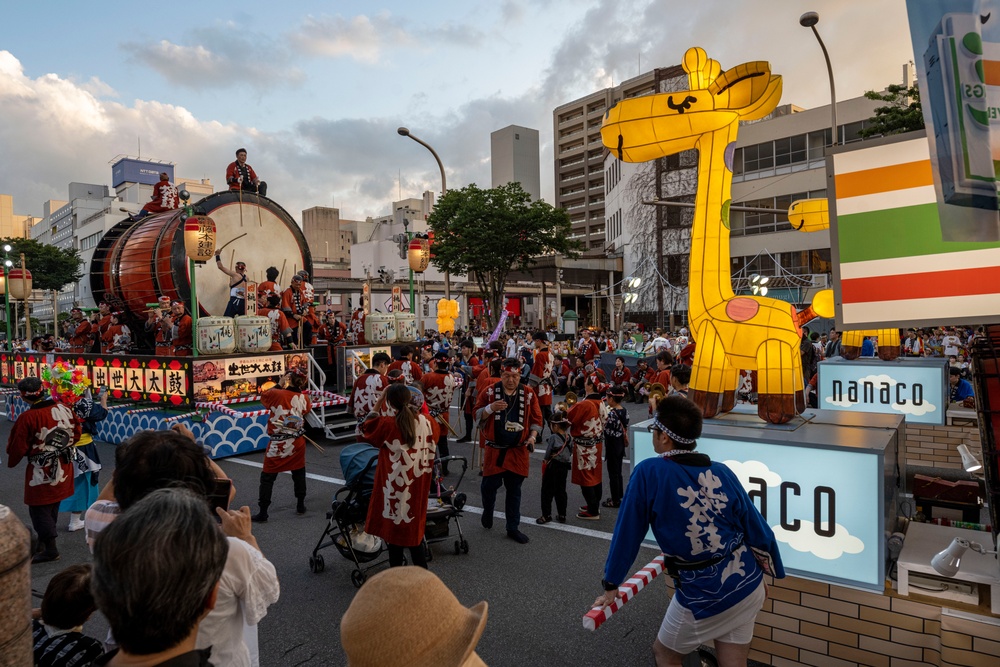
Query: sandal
[[542, 520], [611, 503]]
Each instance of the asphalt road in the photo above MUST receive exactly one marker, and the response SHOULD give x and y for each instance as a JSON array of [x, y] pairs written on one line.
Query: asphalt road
[[537, 592]]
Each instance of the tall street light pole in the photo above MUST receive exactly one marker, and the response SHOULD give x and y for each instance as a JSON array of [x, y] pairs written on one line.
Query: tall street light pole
[[809, 20], [404, 132], [6, 291]]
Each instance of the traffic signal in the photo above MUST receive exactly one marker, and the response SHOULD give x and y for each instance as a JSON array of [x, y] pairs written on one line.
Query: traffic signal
[[403, 242]]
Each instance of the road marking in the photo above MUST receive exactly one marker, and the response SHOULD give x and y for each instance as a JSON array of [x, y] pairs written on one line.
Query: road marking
[[498, 516]]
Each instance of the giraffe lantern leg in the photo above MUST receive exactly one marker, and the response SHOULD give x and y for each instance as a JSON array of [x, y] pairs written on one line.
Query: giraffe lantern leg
[[776, 371], [888, 344], [708, 374], [850, 343]]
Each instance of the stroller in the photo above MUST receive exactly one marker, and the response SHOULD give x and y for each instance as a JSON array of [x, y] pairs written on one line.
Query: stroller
[[445, 506], [346, 519]]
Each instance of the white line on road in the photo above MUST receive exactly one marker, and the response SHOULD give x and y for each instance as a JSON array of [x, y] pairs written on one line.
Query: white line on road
[[499, 516]]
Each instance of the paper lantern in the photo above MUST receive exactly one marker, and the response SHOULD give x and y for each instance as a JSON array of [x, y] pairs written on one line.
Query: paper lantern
[[199, 238], [732, 332], [419, 255], [447, 313], [20, 283]]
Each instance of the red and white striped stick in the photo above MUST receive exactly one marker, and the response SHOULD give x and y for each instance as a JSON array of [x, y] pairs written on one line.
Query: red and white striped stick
[[218, 407], [136, 411], [231, 401], [179, 417], [596, 616], [336, 399], [120, 407]]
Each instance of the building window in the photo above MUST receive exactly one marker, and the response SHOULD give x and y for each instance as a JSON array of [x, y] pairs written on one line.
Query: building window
[[746, 223], [91, 241]]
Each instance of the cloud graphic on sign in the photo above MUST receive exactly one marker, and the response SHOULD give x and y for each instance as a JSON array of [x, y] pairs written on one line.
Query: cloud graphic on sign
[[744, 470], [806, 540], [907, 408]]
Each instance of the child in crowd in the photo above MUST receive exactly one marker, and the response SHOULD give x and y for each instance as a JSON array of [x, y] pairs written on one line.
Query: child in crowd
[[615, 442], [680, 377], [58, 628], [555, 467]]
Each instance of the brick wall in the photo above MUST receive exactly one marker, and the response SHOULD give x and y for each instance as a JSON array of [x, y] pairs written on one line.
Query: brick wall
[[809, 623], [936, 446]]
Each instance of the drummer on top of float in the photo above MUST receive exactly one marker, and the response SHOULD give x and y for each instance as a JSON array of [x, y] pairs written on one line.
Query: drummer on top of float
[[164, 198], [237, 287], [241, 176]]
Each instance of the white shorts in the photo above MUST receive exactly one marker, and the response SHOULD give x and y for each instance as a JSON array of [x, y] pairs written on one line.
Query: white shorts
[[683, 633]]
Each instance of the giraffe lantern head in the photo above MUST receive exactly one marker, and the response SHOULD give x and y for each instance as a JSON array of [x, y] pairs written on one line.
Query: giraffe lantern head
[[644, 128]]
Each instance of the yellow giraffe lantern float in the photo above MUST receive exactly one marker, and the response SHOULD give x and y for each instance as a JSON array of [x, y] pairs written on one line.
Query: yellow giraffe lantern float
[[732, 332]]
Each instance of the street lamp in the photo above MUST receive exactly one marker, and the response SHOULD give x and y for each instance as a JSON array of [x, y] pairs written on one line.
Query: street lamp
[[405, 132], [6, 291], [809, 20]]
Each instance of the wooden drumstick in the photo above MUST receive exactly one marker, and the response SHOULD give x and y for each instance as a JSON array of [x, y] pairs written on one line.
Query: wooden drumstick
[[232, 256], [281, 275], [219, 251], [241, 206]]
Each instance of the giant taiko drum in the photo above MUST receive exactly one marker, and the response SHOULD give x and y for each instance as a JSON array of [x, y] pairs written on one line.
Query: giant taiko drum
[[137, 262]]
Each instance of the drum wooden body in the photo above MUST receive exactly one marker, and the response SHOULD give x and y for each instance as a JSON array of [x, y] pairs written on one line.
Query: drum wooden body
[[137, 262], [253, 333], [380, 328], [406, 327], [216, 335]]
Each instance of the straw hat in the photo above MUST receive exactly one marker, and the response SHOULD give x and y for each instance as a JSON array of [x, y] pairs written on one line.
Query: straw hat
[[407, 616]]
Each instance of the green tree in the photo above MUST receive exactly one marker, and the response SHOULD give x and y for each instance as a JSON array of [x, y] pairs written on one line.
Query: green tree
[[51, 268], [901, 114], [486, 234]]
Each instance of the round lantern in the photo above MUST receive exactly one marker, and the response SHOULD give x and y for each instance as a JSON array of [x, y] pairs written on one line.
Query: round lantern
[[199, 238], [20, 283], [419, 255]]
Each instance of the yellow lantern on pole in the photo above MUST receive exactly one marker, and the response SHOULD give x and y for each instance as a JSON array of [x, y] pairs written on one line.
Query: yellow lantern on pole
[[20, 283], [199, 238], [419, 255]]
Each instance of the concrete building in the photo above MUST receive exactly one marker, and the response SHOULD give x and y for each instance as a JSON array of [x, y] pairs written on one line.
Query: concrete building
[[514, 158], [579, 157], [328, 242], [13, 225]]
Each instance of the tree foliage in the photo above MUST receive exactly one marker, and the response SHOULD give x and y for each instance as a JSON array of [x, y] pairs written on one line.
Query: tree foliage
[[51, 268], [489, 233], [902, 112]]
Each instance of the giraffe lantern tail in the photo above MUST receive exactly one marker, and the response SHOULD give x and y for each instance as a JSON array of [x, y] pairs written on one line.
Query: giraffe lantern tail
[[821, 306]]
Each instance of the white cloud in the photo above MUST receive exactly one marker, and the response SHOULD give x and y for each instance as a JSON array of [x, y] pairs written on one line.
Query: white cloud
[[219, 57], [806, 540], [908, 408], [744, 470]]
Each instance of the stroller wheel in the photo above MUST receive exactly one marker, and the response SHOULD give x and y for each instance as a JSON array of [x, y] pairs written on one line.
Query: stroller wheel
[[458, 502], [358, 578], [465, 546], [317, 563]]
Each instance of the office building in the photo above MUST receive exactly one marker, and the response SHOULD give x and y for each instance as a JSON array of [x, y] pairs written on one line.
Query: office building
[[13, 225], [514, 158], [579, 157]]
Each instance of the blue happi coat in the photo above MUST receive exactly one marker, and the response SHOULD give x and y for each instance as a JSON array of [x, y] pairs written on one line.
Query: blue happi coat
[[698, 511]]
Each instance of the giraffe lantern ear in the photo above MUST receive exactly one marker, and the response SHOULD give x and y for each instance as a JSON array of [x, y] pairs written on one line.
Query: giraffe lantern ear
[[701, 69], [748, 89]]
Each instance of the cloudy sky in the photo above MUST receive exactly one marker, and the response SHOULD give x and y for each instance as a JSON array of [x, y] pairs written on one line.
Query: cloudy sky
[[315, 90]]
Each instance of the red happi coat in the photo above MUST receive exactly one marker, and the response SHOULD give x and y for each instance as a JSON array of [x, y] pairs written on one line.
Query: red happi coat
[[587, 419], [621, 377], [411, 370], [397, 511], [356, 327], [588, 349], [367, 389], [439, 389], [541, 374], [36, 435], [102, 326], [516, 459], [470, 385], [79, 340], [284, 454]]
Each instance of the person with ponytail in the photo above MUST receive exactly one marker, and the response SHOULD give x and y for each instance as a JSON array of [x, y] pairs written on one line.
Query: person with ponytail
[[397, 511]]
